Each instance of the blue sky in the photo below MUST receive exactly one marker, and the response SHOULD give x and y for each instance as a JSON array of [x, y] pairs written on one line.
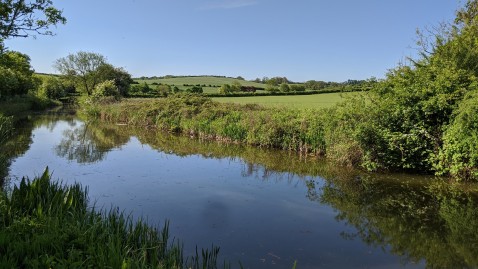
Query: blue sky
[[330, 40]]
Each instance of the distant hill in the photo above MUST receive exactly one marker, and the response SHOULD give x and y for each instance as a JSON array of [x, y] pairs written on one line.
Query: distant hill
[[202, 80]]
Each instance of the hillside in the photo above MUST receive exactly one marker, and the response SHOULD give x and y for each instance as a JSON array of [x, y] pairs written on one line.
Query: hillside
[[202, 80]]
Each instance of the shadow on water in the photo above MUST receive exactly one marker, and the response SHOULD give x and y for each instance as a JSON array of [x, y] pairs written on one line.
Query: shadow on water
[[417, 218]]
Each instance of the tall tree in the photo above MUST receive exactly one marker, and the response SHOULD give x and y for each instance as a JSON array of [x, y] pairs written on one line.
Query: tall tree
[[20, 18], [82, 68]]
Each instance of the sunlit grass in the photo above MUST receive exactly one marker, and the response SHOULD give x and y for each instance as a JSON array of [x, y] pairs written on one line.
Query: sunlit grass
[[289, 101]]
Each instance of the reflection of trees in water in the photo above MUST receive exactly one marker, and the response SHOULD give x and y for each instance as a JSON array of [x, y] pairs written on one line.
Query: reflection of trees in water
[[88, 143], [437, 222], [434, 222], [16, 145]]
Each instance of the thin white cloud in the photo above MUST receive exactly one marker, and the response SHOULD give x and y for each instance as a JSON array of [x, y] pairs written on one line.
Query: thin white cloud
[[228, 4]]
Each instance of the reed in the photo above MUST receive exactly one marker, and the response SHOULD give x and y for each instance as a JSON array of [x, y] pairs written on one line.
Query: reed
[[45, 224]]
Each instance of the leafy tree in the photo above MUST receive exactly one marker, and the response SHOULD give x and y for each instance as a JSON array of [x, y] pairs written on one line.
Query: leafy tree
[[140, 88], [163, 90], [52, 88], [271, 88], [106, 89], [20, 18], [284, 87], [236, 86], [225, 89], [121, 78], [297, 88], [15, 74], [176, 89], [315, 85], [83, 68], [195, 89]]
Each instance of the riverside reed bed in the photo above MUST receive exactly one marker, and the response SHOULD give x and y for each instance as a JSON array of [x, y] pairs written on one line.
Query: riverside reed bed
[[45, 224]]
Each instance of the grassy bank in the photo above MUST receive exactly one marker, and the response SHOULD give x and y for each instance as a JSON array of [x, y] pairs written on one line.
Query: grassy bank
[[48, 225], [365, 131], [23, 104], [297, 130]]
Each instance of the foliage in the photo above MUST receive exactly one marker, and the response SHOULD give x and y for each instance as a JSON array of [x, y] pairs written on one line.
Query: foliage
[[195, 89], [20, 104], [15, 74], [284, 87], [51, 88], [140, 88], [225, 89], [459, 154], [105, 91], [46, 224], [297, 88], [19, 18], [83, 69], [119, 76], [271, 88], [408, 119], [297, 130], [236, 86], [163, 90]]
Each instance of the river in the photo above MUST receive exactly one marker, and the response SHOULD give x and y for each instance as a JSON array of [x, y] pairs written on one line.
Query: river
[[265, 208]]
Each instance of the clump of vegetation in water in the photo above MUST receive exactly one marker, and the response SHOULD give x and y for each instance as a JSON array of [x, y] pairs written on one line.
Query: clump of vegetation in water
[[44, 224]]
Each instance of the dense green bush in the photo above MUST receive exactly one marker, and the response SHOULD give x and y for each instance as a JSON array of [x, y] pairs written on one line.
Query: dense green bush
[[52, 88], [106, 88], [15, 74], [459, 154]]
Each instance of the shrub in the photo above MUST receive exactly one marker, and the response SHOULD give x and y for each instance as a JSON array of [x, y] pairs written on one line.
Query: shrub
[[284, 87], [51, 88], [459, 155], [9, 82], [105, 90]]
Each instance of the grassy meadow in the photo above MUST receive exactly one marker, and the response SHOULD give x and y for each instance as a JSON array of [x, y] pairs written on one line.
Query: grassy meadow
[[212, 83], [289, 101], [203, 80]]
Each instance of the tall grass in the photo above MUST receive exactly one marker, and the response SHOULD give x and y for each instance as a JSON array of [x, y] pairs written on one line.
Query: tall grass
[[45, 224]]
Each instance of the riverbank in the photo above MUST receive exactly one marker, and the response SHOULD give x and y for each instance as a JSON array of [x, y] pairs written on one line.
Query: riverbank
[[18, 105], [197, 116], [363, 131]]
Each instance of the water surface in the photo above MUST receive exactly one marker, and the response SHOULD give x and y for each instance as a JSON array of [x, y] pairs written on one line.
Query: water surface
[[265, 208]]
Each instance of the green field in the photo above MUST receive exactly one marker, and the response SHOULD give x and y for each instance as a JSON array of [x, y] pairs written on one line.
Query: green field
[[215, 82], [203, 80], [291, 101]]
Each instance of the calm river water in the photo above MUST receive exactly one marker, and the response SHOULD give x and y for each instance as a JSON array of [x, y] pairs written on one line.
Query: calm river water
[[264, 208]]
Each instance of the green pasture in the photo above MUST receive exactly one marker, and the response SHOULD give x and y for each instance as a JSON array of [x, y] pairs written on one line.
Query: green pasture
[[202, 80], [290, 101]]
